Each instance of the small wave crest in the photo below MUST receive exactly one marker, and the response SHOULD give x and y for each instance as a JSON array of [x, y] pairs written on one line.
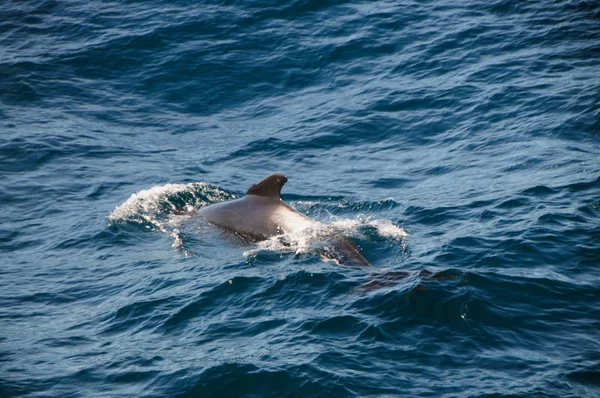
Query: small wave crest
[[317, 237], [164, 207]]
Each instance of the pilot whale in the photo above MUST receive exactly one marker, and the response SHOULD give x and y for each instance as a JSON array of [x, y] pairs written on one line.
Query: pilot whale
[[261, 214]]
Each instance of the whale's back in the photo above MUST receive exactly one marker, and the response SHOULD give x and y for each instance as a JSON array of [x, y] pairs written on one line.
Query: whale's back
[[262, 214], [258, 216]]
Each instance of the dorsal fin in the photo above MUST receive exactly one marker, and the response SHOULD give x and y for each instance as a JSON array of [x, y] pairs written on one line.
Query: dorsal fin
[[269, 187]]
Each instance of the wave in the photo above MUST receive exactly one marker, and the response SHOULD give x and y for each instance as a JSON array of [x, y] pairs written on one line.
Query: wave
[[165, 207]]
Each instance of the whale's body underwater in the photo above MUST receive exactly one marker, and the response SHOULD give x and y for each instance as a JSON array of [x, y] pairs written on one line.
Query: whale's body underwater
[[262, 214]]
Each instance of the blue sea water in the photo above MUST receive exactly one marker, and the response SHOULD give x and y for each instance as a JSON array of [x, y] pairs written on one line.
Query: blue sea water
[[457, 143]]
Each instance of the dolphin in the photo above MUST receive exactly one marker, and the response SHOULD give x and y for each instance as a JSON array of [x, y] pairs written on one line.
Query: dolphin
[[261, 214]]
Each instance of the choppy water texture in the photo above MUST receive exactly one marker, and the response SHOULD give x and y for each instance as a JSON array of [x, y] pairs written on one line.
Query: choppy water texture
[[457, 143]]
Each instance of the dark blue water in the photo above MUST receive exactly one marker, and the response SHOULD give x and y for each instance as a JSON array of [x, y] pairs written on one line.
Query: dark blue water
[[457, 143]]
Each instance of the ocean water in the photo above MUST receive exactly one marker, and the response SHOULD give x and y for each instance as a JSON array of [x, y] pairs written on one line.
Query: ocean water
[[456, 143]]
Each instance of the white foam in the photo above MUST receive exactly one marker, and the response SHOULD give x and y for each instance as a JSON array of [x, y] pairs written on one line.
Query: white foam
[[154, 208], [315, 237], [143, 202], [148, 202], [384, 228], [299, 242], [387, 229]]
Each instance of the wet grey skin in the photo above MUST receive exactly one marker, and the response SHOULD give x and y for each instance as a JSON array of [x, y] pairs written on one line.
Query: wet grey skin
[[261, 214]]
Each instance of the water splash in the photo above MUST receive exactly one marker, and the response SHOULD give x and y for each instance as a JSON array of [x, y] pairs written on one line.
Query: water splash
[[166, 207], [317, 237]]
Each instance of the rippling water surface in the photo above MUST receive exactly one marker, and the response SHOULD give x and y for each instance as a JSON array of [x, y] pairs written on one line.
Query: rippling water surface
[[457, 143]]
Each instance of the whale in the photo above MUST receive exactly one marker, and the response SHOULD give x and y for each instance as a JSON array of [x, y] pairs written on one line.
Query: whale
[[262, 214]]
